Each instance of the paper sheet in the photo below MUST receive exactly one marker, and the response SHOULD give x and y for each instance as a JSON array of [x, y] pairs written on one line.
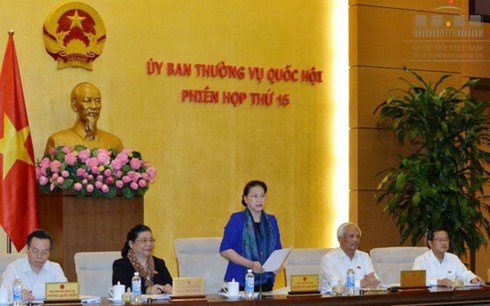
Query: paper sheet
[[275, 261]]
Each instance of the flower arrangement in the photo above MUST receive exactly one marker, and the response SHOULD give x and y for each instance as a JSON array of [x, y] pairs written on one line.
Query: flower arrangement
[[98, 172]]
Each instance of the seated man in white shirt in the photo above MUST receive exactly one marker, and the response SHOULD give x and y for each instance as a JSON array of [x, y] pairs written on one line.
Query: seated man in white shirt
[[335, 263], [442, 267], [35, 270]]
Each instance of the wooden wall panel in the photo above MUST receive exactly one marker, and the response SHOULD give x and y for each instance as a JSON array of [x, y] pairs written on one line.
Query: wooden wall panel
[[477, 55], [432, 5], [370, 155], [370, 86], [378, 229], [384, 38], [86, 224]]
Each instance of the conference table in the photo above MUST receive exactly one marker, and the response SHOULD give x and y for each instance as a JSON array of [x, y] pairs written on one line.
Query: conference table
[[443, 296]]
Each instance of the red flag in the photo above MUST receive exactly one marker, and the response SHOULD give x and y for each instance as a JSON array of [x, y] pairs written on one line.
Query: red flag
[[18, 190]]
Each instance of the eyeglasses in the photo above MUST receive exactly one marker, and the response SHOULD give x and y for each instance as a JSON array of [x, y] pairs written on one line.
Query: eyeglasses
[[257, 196], [37, 252], [441, 239], [145, 241]]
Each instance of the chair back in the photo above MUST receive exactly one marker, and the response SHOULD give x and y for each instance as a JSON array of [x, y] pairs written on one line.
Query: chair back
[[200, 257], [303, 261], [389, 261], [6, 259], [94, 272]]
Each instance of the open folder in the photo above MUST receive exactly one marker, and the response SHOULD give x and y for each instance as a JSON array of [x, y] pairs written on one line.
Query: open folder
[[275, 261]]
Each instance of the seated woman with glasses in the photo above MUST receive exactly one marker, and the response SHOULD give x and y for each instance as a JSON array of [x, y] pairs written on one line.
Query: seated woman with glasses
[[136, 253]]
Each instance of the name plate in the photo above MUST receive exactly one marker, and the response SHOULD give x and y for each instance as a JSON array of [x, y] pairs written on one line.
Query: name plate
[[62, 291], [188, 286], [304, 283]]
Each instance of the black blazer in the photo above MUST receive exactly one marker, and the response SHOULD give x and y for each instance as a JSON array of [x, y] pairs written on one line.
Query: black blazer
[[123, 271]]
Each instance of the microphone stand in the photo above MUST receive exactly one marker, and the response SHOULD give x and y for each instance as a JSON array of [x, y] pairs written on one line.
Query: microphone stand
[[260, 279]]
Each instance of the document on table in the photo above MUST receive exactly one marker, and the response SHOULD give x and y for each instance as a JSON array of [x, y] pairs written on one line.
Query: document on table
[[275, 261]]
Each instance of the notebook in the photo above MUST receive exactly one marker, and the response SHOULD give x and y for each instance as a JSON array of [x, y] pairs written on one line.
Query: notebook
[[412, 278]]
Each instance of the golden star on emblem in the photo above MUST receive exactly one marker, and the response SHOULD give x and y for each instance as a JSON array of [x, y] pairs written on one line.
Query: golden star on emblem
[[12, 145], [76, 20]]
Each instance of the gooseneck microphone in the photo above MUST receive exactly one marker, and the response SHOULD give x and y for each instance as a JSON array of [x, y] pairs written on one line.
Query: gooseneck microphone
[[260, 278]]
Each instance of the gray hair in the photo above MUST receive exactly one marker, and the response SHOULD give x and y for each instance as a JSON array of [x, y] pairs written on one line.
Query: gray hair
[[343, 226]]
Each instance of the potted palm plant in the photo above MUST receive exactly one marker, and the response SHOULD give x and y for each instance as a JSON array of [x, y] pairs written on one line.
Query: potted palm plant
[[441, 183]]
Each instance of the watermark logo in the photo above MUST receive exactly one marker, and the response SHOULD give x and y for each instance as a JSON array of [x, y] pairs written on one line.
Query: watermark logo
[[448, 37]]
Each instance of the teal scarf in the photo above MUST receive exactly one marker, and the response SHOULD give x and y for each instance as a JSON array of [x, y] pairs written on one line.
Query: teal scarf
[[254, 241]]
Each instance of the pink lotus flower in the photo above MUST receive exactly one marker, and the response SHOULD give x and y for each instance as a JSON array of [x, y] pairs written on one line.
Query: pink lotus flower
[[77, 186], [80, 172], [43, 180], [119, 184], [55, 166], [152, 172], [84, 155], [66, 149], [103, 156], [123, 157], [117, 164], [70, 159], [135, 164], [92, 163], [134, 176]]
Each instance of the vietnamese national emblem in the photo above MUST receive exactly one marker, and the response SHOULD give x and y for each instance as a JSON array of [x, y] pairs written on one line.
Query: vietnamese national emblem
[[74, 35]]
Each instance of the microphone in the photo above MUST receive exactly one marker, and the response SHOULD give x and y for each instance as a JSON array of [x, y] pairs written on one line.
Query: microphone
[[260, 278]]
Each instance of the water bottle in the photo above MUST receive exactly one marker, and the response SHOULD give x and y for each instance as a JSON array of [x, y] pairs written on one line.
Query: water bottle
[[249, 285], [17, 291], [351, 281], [136, 288]]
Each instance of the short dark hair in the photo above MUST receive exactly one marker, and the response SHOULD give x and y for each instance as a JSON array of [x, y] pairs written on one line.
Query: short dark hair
[[249, 186], [39, 234], [430, 234], [132, 236]]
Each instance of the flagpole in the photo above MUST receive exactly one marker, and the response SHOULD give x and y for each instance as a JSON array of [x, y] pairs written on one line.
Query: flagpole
[[9, 241], [9, 245]]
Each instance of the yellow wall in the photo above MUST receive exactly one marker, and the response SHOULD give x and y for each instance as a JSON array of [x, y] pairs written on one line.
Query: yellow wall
[[204, 153]]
